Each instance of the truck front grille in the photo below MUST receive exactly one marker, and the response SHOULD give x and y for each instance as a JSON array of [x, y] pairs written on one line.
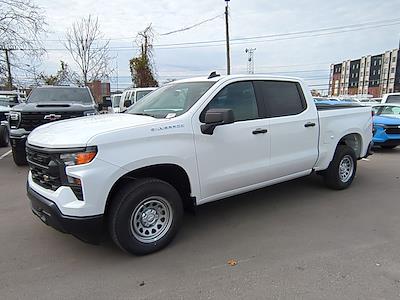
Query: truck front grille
[[48, 170], [392, 130], [31, 120], [39, 165]]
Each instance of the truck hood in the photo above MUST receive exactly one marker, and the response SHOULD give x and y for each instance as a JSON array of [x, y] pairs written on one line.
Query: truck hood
[[52, 107], [77, 132], [387, 120]]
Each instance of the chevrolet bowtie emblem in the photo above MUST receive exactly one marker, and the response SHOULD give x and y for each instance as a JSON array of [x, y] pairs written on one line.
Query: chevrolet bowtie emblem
[[52, 117]]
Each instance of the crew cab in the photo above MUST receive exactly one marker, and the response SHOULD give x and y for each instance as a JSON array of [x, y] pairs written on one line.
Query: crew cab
[[46, 104], [188, 143]]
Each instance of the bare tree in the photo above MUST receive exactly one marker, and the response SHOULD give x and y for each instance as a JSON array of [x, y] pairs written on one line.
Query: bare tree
[[89, 49], [142, 70], [21, 24]]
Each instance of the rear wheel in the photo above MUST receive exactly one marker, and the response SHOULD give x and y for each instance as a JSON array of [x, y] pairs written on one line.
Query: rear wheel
[[19, 156], [145, 216], [389, 146], [342, 169], [4, 136]]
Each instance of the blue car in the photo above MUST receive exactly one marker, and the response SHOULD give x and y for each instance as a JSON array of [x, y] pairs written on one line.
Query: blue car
[[386, 125]]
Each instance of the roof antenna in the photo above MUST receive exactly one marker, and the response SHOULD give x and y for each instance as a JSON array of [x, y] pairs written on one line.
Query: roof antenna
[[213, 74]]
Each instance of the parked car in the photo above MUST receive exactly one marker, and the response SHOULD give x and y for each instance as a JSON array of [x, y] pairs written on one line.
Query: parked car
[[4, 133], [391, 98], [46, 104], [387, 125], [7, 100], [133, 95], [115, 100], [188, 143]]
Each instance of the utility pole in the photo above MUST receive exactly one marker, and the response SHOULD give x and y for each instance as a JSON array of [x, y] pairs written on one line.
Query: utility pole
[[228, 56], [250, 60]]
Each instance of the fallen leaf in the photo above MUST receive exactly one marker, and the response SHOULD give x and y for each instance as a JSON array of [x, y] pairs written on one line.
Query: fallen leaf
[[142, 283], [232, 262]]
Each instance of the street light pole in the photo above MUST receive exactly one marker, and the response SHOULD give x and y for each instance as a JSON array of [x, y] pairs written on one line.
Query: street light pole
[[228, 58]]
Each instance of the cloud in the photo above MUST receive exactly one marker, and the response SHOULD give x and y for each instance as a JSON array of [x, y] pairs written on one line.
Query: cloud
[[124, 18]]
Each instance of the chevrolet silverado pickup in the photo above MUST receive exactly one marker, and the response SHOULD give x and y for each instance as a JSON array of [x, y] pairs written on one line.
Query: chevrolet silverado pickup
[[46, 104], [189, 142]]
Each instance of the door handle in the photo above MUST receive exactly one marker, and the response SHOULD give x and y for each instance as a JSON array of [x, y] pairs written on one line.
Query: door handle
[[260, 130], [309, 124]]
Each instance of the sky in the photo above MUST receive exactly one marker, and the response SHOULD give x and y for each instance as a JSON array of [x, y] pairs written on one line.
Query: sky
[[307, 57]]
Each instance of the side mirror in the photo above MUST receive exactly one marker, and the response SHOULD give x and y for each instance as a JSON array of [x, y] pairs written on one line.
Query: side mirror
[[215, 117]]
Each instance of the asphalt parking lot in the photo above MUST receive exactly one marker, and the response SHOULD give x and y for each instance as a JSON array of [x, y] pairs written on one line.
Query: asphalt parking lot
[[296, 240]]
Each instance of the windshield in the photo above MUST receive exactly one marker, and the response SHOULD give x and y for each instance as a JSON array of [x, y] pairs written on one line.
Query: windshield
[[393, 99], [8, 101], [171, 100], [391, 111], [141, 94], [59, 94]]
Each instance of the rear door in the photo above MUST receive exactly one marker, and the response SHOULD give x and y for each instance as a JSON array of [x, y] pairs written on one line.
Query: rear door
[[293, 127]]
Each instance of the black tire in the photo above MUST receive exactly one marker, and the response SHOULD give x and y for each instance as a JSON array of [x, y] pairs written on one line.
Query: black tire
[[127, 205], [4, 136], [19, 156], [388, 146], [332, 176]]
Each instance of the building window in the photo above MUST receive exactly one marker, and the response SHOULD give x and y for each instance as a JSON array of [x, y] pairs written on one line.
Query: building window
[[373, 72], [379, 71], [393, 59], [392, 70]]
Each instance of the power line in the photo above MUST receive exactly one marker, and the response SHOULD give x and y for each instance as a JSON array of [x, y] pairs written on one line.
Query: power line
[[263, 38]]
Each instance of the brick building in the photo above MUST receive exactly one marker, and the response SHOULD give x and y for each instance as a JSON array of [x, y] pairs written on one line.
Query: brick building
[[99, 90], [372, 74]]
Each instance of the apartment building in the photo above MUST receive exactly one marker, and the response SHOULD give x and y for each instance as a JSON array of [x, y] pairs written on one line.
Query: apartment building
[[372, 74]]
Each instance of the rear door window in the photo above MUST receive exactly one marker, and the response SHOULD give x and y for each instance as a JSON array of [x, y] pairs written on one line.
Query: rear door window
[[281, 98]]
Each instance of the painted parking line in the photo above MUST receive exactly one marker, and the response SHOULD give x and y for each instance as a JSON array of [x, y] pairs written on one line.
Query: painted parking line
[[5, 154]]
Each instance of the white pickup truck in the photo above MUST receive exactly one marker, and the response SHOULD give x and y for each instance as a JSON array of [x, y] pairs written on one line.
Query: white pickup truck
[[188, 143]]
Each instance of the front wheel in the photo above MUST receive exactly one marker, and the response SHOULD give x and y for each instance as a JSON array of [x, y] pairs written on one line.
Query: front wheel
[[19, 155], [342, 169], [4, 136], [145, 216]]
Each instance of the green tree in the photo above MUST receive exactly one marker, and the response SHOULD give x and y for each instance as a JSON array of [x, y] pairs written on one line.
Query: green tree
[[141, 67]]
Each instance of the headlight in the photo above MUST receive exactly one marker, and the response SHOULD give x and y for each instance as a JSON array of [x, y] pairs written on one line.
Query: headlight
[[90, 113], [14, 118], [79, 158]]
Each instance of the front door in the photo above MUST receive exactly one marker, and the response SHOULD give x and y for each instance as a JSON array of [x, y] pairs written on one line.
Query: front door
[[236, 155]]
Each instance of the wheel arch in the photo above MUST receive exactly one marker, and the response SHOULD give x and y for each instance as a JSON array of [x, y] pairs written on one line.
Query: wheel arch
[[354, 141], [171, 173]]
